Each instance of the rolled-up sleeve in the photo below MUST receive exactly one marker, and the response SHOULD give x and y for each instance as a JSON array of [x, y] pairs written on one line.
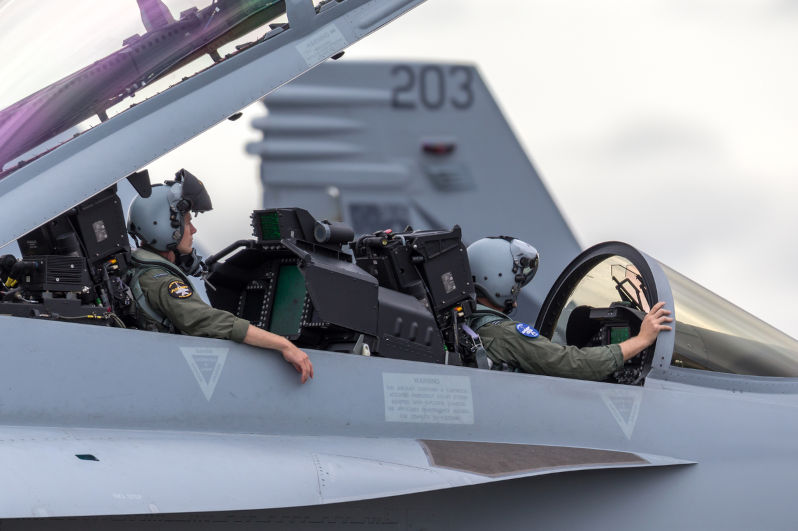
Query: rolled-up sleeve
[[190, 314], [538, 355]]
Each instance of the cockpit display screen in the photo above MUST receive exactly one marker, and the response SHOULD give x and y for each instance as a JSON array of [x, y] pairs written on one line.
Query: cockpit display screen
[[619, 334], [269, 225], [289, 301]]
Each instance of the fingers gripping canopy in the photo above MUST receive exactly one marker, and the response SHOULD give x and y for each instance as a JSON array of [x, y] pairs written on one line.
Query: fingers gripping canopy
[[501, 266], [158, 221]]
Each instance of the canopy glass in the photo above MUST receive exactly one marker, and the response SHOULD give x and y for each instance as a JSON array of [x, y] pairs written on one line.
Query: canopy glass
[[69, 65], [714, 334]]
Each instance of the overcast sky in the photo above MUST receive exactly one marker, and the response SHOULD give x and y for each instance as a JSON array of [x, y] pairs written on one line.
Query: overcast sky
[[687, 105]]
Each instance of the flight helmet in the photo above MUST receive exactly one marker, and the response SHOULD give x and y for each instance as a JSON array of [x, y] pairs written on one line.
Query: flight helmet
[[501, 266], [158, 221]]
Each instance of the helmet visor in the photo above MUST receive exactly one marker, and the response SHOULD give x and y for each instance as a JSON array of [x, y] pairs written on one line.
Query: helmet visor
[[194, 193]]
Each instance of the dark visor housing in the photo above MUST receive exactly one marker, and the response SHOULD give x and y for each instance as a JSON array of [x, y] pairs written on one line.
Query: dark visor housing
[[194, 196]]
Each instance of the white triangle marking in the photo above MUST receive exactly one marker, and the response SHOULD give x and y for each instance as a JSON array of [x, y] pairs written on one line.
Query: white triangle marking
[[625, 407], [206, 364]]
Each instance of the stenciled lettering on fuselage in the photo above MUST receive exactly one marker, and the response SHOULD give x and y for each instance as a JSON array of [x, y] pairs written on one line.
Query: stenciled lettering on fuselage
[[428, 398]]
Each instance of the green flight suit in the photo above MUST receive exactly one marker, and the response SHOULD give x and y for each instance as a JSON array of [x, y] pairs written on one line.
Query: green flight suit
[[504, 342], [169, 302]]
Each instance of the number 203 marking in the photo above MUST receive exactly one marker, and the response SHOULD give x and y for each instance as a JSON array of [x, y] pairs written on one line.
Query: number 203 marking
[[432, 87]]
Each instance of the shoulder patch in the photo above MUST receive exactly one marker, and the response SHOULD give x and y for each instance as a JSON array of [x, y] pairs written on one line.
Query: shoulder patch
[[179, 290], [526, 330]]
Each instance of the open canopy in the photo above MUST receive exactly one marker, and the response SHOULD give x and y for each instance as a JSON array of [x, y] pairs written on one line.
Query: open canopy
[[50, 181], [84, 60]]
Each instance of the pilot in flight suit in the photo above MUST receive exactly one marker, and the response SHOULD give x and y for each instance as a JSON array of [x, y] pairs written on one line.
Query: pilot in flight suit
[[167, 291], [500, 267], [165, 300]]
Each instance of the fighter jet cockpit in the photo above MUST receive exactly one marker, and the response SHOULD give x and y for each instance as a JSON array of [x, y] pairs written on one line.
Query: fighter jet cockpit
[[399, 295], [403, 295]]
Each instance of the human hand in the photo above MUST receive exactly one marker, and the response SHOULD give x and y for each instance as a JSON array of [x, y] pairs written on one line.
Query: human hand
[[299, 360], [654, 323]]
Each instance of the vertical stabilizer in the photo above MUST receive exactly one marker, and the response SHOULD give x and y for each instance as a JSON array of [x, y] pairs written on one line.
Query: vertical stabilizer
[[154, 14], [386, 145]]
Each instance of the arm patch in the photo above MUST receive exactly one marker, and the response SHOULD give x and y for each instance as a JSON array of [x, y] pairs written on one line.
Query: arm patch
[[179, 289], [526, 330]]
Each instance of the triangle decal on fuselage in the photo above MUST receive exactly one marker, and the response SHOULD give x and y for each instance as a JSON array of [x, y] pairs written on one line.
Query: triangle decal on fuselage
[[206, 364], [624, 405]]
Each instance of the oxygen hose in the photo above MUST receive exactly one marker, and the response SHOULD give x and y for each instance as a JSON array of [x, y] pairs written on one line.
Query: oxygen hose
[[7, 262], [18, 271], [107, 316]]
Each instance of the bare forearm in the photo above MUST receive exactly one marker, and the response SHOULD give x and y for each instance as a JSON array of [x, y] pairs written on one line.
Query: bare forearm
[[632, 347], [258, 337]]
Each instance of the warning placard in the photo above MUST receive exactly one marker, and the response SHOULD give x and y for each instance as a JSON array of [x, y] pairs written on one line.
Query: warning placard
[[428, 398]]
